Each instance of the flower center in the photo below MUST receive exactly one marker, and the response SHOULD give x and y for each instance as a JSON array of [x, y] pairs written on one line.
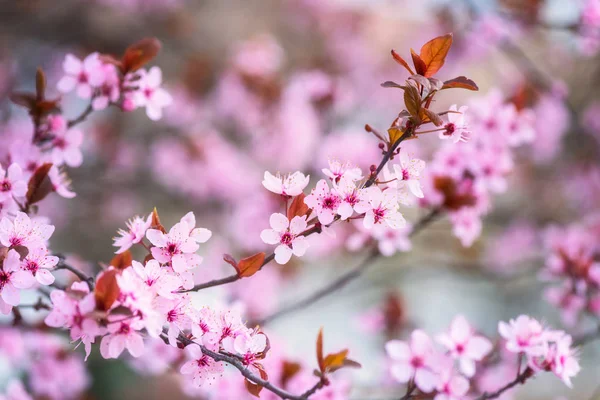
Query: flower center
[[32, 266], [125, 329], [148, 92], [330, 202], [60, 143], [4, 278], [287, 238], [172, 248], [450, 128], [203, 361], [82, 78], [405, 175], [6, 186], [379, 214], [416, 362]]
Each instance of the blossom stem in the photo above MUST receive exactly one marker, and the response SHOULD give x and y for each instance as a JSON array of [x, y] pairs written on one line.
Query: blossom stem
[[82, 117]]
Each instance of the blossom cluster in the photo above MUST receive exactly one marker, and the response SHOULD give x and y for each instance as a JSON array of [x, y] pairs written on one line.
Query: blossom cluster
[[137, 298], [456, 368], [53, 370], [461, 178], [343, 196], [572, 264]]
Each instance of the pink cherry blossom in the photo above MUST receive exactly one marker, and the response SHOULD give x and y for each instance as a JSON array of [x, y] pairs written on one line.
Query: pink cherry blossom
[[157, 279], [38, 263], [380, 208], [289, 185], [149, 93], [66, 148], [408, 172], [456, 129], [135, 233], [523, 335], [176, 247], [350, 196], [200, 235], [109, 91], [24, 231], [206, 326], [324, 201], [201, 367], [83, 76], [12, 182], [451, 386], [415, 360], [60, 182], [286, 234], [337, 171], [12, 278], [248, 346], [464, 345], [122, 334]]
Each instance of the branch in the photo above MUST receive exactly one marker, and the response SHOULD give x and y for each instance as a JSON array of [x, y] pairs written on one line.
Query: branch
[[348, 276], [82, 117], [519, 380], [80, 274], [217, 356], [316, 228]]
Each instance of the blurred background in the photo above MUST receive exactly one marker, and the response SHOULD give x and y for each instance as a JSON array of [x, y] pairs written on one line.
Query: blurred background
[[287, 85]]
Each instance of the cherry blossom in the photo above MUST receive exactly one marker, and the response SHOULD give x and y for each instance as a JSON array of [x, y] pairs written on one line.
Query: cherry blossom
[[12, 278], [23, 231], [451, 386], [350, 196], [414, 360], [324, 201], [109, 91], [202, 368], [456, 129], [289, 185], [380, 208], [12, 183], [408, 172], [83, 76], [122, 334], [523, 335], [150, 95], [249, 346], [337, 171], [287, 235], [60, 182], [135, 233], [66, 148], [176, 247], [157, 279], [38, 263], [464, 345]]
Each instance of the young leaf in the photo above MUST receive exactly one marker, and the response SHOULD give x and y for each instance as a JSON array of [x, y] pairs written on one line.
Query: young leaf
[[390, 84], [122, 261], [230, 260], [320, 359], [460, 82], [298, 207], [420, 65], [39, 185], [40, 84], [156, 222], [433, 117], [412, 100], [252, 388], [140, 53], [395, 133], [335, 360], [107, 290], [250, 265], [402, 62], [434, 52]]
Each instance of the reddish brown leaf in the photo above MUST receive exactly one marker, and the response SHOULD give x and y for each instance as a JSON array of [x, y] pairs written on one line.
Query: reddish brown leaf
[[402, 62], [335, 360], [460, 82], [250, 265], [320, 359], [107, 290], [39, 185], [298, 207], [434, 52], [289, 370], [412, 100], [156, 222], [432, 116], [40, 84], [140, 53], [252, 388], [22, 99], [420, 65], [122, 261], [395, 133]]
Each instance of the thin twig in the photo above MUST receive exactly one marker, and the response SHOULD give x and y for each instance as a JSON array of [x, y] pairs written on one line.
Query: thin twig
[[346, 277], [519, 380], [80, 274], [82, 117]]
